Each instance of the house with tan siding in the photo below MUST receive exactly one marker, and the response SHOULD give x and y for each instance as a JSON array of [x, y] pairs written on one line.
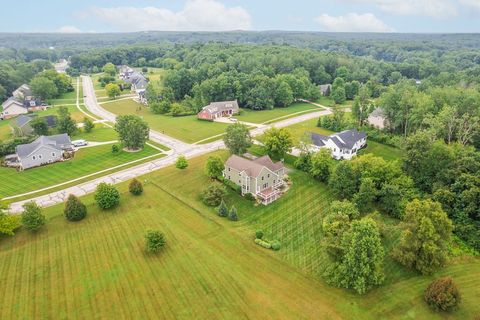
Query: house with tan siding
[[260, 177]]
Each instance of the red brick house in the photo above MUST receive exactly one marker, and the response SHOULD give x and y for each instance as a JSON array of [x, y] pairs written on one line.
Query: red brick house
[[219, 109]]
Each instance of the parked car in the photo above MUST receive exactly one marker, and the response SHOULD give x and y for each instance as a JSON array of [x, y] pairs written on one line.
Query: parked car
[[79, 143]]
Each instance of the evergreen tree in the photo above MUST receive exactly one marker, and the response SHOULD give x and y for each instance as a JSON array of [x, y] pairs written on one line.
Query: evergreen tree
[[233, 214], [74, 210], [222, 209]]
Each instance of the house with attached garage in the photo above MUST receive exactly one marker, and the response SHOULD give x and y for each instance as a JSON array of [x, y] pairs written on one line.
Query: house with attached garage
[[343, 145], [260, 177], [43, 150], [218, 110], [12, 108], [138, 81]]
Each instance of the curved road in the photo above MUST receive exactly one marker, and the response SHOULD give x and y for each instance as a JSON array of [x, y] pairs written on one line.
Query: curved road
[[178, 147]]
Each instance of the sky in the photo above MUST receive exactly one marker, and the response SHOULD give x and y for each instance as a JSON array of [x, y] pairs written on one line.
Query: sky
[[404, 16]]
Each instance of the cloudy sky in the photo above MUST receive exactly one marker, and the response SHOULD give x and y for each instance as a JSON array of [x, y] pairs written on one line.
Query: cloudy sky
[[219, 15]]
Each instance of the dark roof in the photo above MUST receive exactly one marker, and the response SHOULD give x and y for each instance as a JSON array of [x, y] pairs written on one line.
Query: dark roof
[[345, 139], [23, 120], [50, 120], [59, 142]]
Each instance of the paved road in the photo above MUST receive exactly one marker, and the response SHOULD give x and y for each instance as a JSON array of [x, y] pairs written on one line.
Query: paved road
[[92, 105], [188, 150]]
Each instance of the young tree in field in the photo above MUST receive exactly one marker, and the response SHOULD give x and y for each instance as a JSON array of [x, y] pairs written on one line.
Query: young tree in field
[[107, 196], [8, 223], [442, 294], [65, 123], [233, 216], [321, 165], [237, 138], [278, 142], [154, 241], [88, 125], [181, 162], [361, 105], [214, 167], [213, 195], [361, 266], [32, 216], [110, 69], [113, 90], [135, 187], [44, 87], [39, 126], [424, 244], [74, 210], [132, 131], [222, 209]]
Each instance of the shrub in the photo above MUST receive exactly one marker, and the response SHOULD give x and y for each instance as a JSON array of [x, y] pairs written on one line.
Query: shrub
[[259, 234], [442, 294], [276, 245], [74, 210], [222, 209], [32, 217], [115, 148], [135, 187], [8, 223], [154, 241], [213, 195], [107, 196], [233, 214], [250, 197], [264, 244], [181, 162]]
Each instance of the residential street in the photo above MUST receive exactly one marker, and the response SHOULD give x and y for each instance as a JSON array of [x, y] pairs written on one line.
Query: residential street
[[178, 147]]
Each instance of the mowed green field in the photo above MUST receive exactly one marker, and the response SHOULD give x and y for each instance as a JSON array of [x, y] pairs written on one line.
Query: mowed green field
[[86, 161], [298, 130], [210, 269], [100, 133], [261, 116], [188, 128]]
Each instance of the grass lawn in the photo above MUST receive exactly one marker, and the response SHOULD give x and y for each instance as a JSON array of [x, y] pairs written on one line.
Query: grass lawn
[[328, 102], [68, 97], [5, 129], [188, 128], [378, 149], [210, 268], [100, 133], [261, 116], [86, 161]]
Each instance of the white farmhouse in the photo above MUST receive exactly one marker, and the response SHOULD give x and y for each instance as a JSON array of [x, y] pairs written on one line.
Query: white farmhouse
[[343, 145]]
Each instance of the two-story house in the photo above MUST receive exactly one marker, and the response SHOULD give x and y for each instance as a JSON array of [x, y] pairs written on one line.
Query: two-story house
[[261, 177], [343, 145]]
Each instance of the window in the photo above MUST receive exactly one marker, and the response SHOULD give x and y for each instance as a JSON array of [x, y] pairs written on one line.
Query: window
[[229, 178], [239, 181], [39, 156], [268, 175], [33, 157], [53, 154], [228, 169], [263, 178]]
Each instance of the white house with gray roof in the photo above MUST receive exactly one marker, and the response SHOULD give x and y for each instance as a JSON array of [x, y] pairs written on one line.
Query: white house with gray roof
[[343, 145], [44, 150], [260, 177]]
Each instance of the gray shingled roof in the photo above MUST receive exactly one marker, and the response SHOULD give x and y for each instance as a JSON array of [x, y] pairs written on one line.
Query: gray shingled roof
[[22, 120], [252, 167], [220, 106], [59, 142], [345, 139], [378, 112], [15, 100]]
